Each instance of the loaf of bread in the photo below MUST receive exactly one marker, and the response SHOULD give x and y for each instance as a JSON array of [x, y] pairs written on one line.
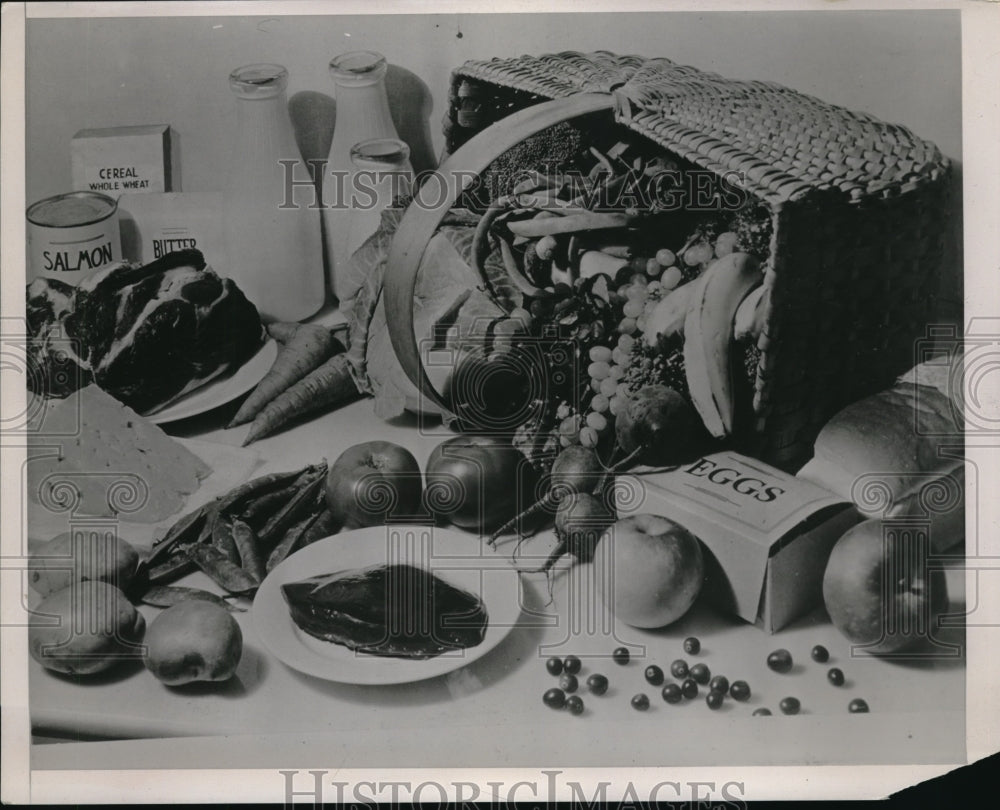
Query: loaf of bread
[[899, 452]]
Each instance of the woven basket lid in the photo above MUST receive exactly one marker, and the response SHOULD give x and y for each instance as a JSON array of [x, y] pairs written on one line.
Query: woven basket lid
[[781, 143]]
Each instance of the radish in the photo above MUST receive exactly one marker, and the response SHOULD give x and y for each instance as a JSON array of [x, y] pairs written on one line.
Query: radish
[[576, 469], [581, 520]]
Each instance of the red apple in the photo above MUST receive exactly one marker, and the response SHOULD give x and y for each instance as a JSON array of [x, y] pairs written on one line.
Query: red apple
[[650, 570], [877, 588], [372, 481]]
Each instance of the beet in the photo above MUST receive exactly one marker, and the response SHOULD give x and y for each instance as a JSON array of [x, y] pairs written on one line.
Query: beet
[[659, 423]]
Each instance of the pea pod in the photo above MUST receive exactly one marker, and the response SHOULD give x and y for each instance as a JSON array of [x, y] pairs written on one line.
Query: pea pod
[[171, 568], [324, 525], [291, 513], [186, 529], [246, 543], [227, 575], [223, 540], [291, 541], [237, 498], [260, 510], [165, 596]]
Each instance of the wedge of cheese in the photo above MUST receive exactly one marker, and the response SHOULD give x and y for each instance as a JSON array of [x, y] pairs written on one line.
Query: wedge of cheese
[[92, 455]]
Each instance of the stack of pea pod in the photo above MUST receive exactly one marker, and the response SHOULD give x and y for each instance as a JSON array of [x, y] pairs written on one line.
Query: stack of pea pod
[[237, 538]]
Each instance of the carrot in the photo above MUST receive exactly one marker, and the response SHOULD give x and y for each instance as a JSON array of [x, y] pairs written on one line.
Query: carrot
[[330, 384], [306, 347], [281, 331]]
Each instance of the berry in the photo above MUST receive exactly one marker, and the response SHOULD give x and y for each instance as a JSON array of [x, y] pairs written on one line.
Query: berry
[[720, 683], [671, 278], [575, 704], [692, 646], [554, 666], [857, 706], [597, 684], [609, 387], [672, 693], [762, 712], [640, 702], [600, 403], [740, 690], [599, 354], [701, 673], [596, 421], [835, 676], [714, 700], [598, 370], [572, 664], [689, 688], [652, 268], [820, 654], [790, 705], [653, 675], [621, 656], [568, 682], [665, 257], [554, 698], [679, 668], [780, 661], [627, 326], [701, 253], [632, 309], [588, 437]]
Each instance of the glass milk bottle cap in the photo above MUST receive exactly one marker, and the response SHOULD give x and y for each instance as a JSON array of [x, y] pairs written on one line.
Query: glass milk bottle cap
[[358, 68], [380, 153], [258, 81]]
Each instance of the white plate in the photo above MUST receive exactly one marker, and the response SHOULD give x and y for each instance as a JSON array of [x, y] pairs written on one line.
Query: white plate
[[221, 390], [462, 560]]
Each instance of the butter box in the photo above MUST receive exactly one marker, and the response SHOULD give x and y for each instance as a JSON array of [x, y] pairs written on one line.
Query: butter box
[[126, 159], [769, 533], [153, 225]]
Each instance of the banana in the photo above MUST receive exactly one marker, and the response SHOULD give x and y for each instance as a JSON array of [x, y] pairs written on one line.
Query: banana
[[667, 317], [708, 335], [749, 320]]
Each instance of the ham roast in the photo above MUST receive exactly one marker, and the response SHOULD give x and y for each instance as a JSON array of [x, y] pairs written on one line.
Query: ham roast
[[145, 334]]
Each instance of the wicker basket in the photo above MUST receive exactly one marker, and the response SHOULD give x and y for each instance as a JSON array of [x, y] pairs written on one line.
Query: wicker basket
[[859, 213]]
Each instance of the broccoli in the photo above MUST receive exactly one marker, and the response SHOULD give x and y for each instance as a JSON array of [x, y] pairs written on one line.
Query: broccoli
[[556, 148]]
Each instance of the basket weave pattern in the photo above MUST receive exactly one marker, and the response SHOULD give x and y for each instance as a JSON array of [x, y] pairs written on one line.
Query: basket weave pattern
[[859, 209]]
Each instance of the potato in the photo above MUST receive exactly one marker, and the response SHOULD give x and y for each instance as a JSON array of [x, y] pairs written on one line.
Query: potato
[[90, 555], [193, 641], [85, 628]]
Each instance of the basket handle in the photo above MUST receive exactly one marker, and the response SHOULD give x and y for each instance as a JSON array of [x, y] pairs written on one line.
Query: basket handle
[[430, 206]]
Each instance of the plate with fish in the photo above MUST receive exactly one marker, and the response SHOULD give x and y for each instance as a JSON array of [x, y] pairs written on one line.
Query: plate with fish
[[388, 604]]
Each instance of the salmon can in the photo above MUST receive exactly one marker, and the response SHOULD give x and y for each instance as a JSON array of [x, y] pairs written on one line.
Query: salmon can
[[72, 235]]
